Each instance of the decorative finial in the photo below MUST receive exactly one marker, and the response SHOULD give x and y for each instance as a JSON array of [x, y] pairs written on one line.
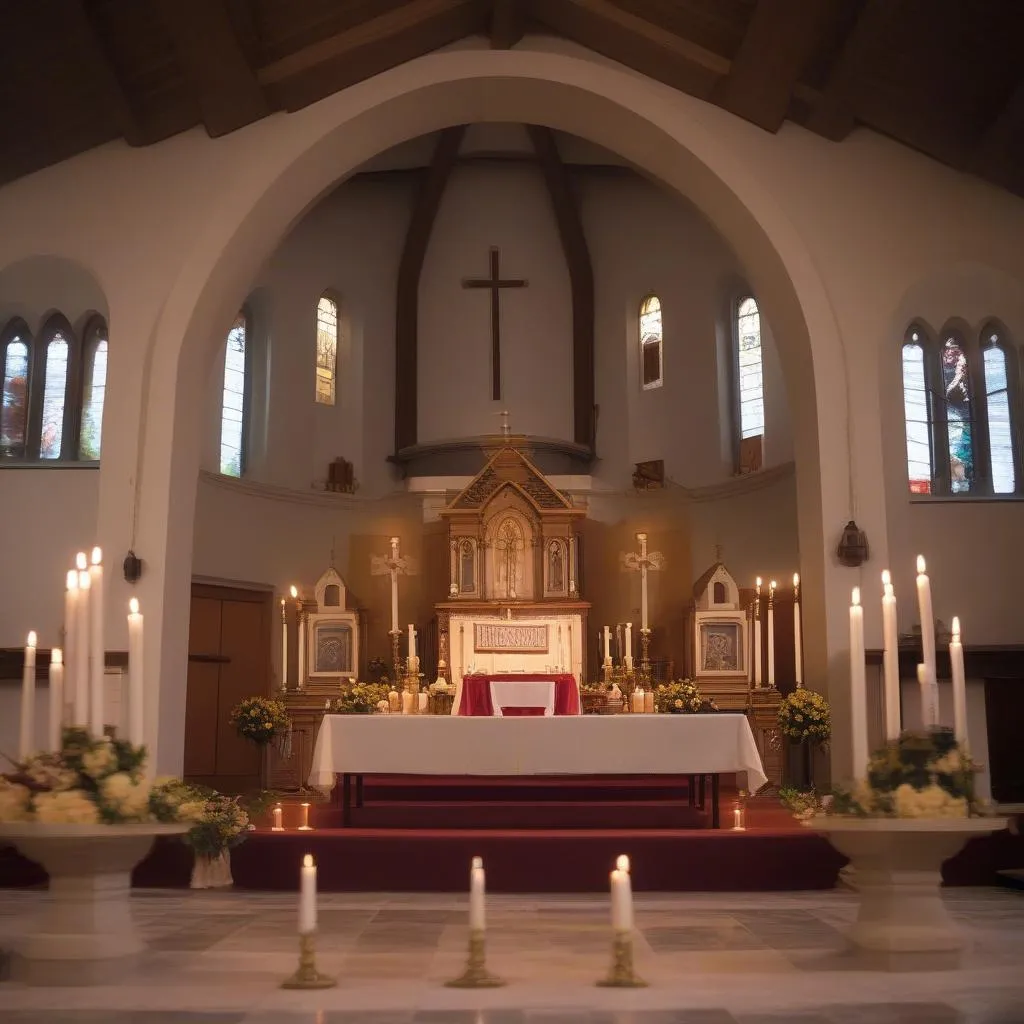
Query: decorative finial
[[718, 553]]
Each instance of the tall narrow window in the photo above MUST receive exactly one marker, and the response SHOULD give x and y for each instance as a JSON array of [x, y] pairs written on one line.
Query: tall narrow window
[[956, 386], [55, 383], [234, 402], [326, 349], [650, 343], [14, 411], [997, 406], [749, 368], [94, 388], [917, 415]]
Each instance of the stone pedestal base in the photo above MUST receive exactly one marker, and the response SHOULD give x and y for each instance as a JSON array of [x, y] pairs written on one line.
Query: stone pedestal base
[[84, 934], [902, 922]]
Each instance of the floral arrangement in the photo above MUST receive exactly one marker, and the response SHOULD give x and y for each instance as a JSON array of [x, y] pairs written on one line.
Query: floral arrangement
[[681, 697], [804, 803], [378, 670], [223, 824], [259, 719], [805, 717], [918, 775], [360, 699], [92, 782]]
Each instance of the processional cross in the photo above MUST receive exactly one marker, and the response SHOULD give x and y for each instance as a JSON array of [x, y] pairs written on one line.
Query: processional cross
[[494, 283], [392, 565], [642, 562]]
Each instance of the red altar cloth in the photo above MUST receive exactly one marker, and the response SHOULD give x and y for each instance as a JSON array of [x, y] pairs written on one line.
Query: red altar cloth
[[476, 692]]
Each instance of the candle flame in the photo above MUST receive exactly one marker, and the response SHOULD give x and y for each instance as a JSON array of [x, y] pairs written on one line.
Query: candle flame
[[796, 579], [856, 595], [294, 591], [84, 581], [80, 561], [886, 578], [920, 564], [622, 863], [31, 641], [133, 606], [757, 582], [97, 556], [956, 627], [72, 579], [478, 863], [307, 861], [394, 542], [772, 585], [56, 656], [282, 602]]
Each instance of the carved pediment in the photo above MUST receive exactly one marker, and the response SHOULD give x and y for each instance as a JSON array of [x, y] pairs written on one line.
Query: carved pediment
[[509, 467]]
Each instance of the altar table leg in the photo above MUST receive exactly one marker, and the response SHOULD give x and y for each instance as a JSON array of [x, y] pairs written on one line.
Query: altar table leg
[[359, 791], [346, 799], [691, 791], [716, 814]]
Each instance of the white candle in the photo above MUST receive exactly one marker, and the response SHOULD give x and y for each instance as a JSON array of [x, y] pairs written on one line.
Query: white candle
[[278, 819], [412, 645], [97, 644], [407, 706], [70, 628], [798, 653], [607, 646], [572, 564], [629, 646], [136, 687], [649, 702], [622, 901], [956, 661], [301, 642], [890, 659], [929, 697], [27, 730], [394, 586], [924, 603], [421, 705], [757, 634], [56, 719], [307, 897], [638, 701], [771, 633], [858, 689], [642, 537], [477, 886], [82, 638], [284, 647]]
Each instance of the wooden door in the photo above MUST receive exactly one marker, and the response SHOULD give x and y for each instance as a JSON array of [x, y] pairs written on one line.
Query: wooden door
[[228, 659]]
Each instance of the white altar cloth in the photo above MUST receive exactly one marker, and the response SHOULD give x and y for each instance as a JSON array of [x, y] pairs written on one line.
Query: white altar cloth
[[557, 745]]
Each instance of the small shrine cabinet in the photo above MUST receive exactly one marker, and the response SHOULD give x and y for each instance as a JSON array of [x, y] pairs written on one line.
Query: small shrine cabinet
[[719, 640], [332, 634]]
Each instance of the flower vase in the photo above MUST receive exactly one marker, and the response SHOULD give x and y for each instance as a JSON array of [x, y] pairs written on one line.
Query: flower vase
[[801, 761], [212, 872]]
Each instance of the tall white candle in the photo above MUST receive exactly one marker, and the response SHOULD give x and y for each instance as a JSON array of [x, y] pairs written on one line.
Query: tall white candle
[[890, 659], [301, 647], [412, 643], [307, 896], [394, 586], [642, 537], [924, 603], [858, 689], [607, 646], [798, 646], [97, 645], [757, 633], [136, 686], [27, 730], [477, 886], [929, 697], [284, 646], [771, 633], [622, 901], [629, 646], [70, 630], [572, 565], [956, 661], [82, 639], [56, 717]]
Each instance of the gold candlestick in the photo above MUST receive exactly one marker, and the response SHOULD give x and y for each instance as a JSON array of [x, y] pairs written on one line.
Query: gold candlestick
[[621, 973], [645, 651], [476, 974], [307, 976]]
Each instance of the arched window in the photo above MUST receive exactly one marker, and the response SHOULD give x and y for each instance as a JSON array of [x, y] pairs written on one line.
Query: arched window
[[14, 360], [749, 371], [326, 349], [57, 357], [235, 399], [998, 412], [94, 387], [917, 413], [650, 343]]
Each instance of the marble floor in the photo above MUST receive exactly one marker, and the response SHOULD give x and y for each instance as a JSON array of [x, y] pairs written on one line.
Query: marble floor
[[758, 958]]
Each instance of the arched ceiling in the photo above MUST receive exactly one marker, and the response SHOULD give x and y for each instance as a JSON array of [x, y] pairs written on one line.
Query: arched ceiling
[[941, 76]]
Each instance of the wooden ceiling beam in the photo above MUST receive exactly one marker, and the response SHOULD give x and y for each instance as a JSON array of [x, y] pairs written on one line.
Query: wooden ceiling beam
[[225, 86], [412, 30], [508, 23], [781, 37], [632, 40]]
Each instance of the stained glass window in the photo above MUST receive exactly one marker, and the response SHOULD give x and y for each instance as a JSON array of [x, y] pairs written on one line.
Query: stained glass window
[[55, 382], [956, 386], [94, 388], [14, 411], [650, 342], [917, 416], [326, 349], [750, 369], [234, 404], [997, 406]]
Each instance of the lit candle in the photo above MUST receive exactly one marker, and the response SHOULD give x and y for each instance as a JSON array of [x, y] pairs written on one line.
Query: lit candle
[[607, 647], [56, 719], [858, 689], [924, 603], [136, 687], [278, 819], [477, 885], [956, 661], [82, 637], [307, 897], [798, 652], [929, 697], [284, 647], [622, 901], [70, 627], [27, 731], [394, 586], [97, 644], [737, 820], [757, 632], [629, 647], [771, 633], [890, 659]]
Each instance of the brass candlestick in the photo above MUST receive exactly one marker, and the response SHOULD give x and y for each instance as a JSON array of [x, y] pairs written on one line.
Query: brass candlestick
[[645, 651], [476, 974], [307, 976], [621, 973], [396, 654]]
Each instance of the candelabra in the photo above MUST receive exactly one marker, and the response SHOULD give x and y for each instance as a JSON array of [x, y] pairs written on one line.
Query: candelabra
[[307, 975], [621, 973], [476, 974]]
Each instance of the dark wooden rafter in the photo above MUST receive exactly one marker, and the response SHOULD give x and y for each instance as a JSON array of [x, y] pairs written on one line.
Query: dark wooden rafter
[[412, 30], [780, 39], [417, 237], [508, 23], [225, 86]]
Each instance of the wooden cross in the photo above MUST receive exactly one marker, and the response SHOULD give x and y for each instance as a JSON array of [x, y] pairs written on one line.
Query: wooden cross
[[494, 283]]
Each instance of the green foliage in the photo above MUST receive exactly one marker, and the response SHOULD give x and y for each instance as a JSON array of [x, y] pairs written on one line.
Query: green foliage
[[681, 697], [360, 699], [259, 719], [805, 717], [223, 824]]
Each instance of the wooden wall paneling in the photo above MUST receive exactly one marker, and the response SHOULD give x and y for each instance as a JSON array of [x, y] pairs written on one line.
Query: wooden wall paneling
[[204, 627]]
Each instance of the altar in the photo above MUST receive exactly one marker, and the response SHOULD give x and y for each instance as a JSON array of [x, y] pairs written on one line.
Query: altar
[[511, 693]]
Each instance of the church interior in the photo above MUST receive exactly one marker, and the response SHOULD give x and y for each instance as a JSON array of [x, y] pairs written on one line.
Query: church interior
[[543, 471]]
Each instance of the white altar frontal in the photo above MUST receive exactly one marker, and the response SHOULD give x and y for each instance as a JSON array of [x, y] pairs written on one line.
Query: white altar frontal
[[537, 643]]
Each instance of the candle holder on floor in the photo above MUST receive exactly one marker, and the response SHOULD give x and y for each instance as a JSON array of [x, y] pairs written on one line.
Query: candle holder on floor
[[307, 976], [476, 974], [305, 826], [621, 973]]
